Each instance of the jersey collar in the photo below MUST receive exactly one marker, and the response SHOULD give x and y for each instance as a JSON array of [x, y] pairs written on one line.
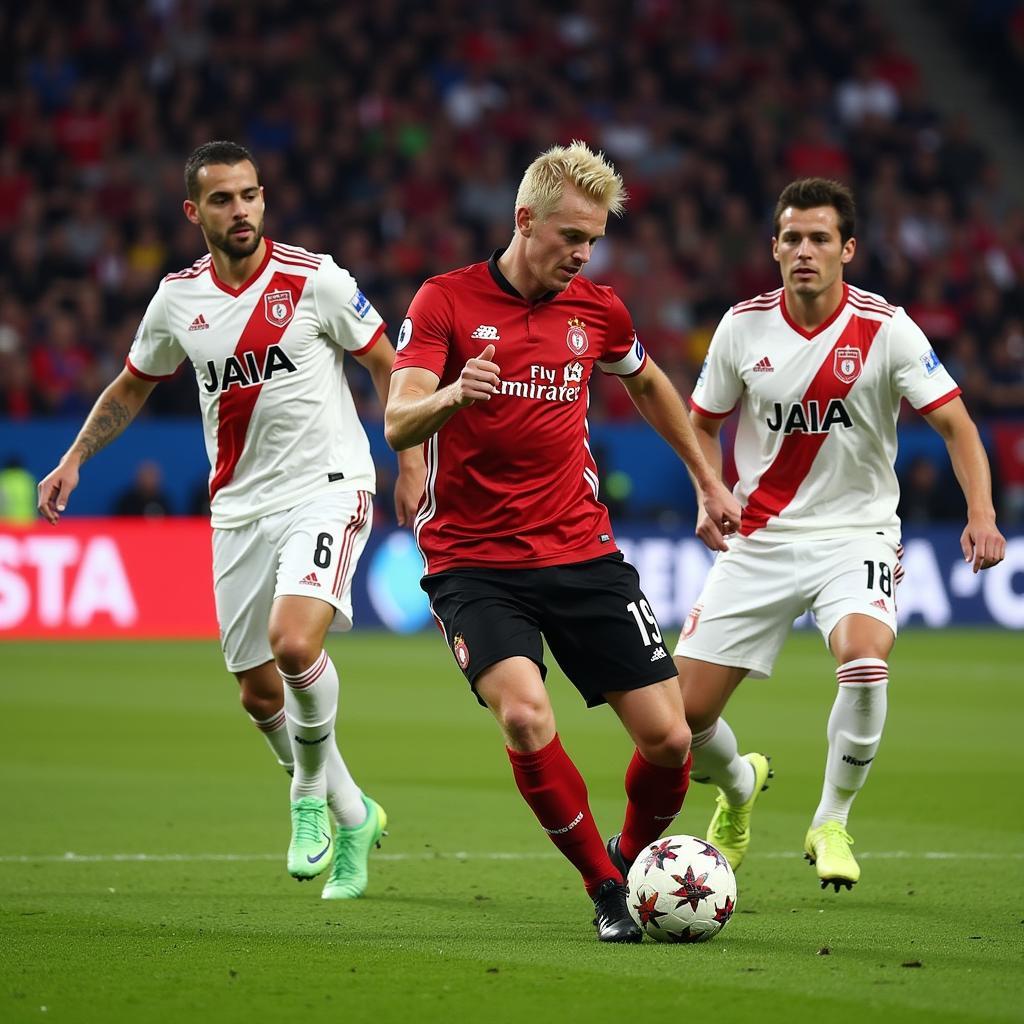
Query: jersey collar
[[252, 277], [822, 326], [503, 282]]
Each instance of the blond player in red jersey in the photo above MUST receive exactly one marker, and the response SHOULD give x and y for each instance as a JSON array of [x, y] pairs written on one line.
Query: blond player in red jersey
[[818, 370], [491, 377], [266, 327]]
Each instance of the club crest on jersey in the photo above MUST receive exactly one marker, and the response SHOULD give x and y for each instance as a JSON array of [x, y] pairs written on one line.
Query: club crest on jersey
[[461, 651], [847, 364], [278, 307], [576, 338]]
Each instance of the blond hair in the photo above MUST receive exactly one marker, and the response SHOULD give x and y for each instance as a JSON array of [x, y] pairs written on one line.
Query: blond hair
[[544, 181]]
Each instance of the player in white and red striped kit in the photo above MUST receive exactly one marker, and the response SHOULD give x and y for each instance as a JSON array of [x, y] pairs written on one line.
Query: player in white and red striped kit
[[818, 370], [266, 327]]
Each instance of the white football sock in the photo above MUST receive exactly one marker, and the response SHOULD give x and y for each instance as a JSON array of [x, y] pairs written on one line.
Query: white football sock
[[854, 734], [311, 704], [343, 796], [716, 758], [275, 731]]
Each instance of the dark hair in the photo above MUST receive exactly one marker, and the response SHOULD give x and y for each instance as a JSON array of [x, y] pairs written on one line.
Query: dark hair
[[217, 152], [807, 193]]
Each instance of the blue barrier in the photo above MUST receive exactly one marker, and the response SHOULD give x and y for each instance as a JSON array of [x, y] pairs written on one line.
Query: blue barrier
[[939, 588], [657, 479]]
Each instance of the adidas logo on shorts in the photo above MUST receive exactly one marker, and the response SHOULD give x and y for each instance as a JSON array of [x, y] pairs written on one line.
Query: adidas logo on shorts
[[311, 580], [659, 653]]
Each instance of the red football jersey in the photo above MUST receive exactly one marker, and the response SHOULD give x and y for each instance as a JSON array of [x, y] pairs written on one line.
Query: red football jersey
[[511, 482]]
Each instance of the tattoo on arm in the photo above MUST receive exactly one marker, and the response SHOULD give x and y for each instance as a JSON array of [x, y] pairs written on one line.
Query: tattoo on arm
[[104, 424]]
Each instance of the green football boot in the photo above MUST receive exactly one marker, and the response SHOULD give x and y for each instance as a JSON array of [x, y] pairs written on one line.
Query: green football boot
[[348, 877], [309, 852], [827, 847], [729, 831]]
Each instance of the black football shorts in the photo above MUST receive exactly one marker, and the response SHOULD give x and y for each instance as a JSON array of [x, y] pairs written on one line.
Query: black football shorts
[[593, 615]]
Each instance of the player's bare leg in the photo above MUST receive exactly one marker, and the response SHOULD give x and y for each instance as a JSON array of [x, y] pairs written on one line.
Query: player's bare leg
[[297, 628], [706, 689], [262, 695], [553, 788], [659, 773], [861, 645]]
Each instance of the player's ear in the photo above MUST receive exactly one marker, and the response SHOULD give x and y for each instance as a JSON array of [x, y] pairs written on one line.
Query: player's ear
[[849, 248], [191, 211], [524, 220], [775, 249]]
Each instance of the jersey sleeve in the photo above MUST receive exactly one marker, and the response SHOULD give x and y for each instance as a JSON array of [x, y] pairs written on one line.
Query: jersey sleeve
[[719, 385], [155, 353], [346, 315], [425, 334], [623, 355], [917, 373]]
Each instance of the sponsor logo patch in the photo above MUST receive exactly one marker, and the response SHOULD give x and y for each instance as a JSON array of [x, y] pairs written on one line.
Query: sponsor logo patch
[[199, 324], [849, 759], [310, 580], [930, 362], [404, 334], [764, 365], [360, 303], [486, 333]]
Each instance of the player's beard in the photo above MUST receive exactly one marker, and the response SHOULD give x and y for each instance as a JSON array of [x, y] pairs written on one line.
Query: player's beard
[[234, 249]]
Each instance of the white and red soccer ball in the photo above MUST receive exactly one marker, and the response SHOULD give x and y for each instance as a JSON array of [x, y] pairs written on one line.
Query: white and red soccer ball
[[681, 889]]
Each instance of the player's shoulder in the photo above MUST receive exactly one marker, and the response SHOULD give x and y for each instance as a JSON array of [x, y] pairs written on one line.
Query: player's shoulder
[[192, 273], [870, 304], [471, 274], [592, 295], [295, 258], [472, 281], [762, 303], [583, 287]]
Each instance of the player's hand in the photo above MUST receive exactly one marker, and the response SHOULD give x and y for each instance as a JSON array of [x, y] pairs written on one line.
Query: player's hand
[[479, 379], [54, 489], [982, 543], [408, 491], [719, 517]]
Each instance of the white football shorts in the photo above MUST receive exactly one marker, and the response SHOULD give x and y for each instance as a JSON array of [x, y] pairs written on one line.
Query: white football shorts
[[757, 588], [310, 551]]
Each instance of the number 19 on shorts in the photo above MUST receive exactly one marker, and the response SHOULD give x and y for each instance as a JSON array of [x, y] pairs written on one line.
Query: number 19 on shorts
[[645, 621]]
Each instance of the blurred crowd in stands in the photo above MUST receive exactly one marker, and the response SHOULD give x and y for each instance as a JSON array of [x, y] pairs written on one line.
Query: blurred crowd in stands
[[393, 135]]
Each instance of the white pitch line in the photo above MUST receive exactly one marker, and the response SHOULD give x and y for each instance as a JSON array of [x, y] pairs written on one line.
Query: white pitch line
[[459, 855]]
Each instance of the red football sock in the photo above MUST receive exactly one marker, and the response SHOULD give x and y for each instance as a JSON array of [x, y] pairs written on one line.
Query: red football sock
[[655, 796], [553, 787]]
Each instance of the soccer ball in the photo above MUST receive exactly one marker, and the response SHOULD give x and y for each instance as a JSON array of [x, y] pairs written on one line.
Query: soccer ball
[[681, 889]]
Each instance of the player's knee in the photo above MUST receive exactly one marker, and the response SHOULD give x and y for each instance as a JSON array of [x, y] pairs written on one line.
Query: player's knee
[[527, 724], [294, 652], [260, 706], [669, 747]]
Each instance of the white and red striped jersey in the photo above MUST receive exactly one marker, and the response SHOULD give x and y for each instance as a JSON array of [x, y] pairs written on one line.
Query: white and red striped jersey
[[279, 420], [511, 482], [816, 440]]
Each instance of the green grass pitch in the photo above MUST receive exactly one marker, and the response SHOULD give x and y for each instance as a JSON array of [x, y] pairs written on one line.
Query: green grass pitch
[[110, 751]]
